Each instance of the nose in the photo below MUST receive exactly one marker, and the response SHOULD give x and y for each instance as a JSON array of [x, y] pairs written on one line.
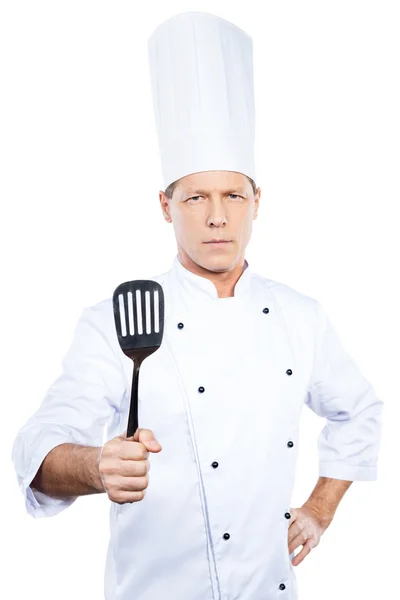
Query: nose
[[217, 216]]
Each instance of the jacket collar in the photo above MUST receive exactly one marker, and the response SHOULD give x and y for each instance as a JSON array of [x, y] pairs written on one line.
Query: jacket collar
[[201, 286]]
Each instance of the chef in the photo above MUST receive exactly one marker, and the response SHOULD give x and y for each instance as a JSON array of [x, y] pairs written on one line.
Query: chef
[[240, 357]]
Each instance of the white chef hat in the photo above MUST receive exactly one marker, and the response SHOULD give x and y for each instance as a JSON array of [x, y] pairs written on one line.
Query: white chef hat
[[201, 72]]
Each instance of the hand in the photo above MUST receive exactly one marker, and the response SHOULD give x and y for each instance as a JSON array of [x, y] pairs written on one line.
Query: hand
[[306, 526], [124, 465]]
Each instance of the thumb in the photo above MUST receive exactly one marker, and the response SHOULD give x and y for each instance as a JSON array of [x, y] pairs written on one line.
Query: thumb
[[124, 435], [147, 438]]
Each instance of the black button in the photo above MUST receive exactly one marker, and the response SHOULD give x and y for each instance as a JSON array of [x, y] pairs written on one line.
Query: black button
[[226, 536], [290, 444], [282, 586], [289, 372], [180, 325], [215, 464], [265, 310], [201, 389], [287, 515]]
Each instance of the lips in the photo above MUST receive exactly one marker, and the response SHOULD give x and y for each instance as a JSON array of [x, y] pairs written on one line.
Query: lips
[[218, 242]]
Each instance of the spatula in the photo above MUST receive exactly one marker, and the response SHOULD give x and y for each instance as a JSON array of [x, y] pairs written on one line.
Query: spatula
[[139, 320]]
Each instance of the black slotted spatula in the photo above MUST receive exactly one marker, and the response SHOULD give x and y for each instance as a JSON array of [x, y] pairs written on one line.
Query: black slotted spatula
[[139, 320]]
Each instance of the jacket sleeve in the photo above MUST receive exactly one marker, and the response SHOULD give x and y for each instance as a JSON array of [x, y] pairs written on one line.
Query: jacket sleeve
[[76, 406], [349, 443]]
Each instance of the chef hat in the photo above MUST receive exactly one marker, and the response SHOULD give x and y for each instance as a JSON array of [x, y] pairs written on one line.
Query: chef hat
[[201, 72]]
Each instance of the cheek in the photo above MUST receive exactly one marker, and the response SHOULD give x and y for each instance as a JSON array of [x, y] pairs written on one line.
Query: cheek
[[244, 225], [178, 218], [185, 225]]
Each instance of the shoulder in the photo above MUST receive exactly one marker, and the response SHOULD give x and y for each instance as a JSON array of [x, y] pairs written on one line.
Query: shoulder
[[296, 308], [283, 293]]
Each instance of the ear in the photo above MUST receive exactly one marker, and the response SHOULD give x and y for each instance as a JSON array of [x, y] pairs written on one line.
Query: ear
[[165, 207], [256, 202]]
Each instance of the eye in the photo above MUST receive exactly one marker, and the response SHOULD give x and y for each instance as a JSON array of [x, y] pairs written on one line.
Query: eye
[[194, 197], [236, 196]]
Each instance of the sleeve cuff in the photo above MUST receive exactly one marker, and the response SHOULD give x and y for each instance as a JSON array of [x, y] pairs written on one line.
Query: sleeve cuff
[[339, 470], [37, 503]]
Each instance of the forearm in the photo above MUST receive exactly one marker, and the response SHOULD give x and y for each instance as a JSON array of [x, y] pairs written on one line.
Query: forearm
[[69, 470], [326, 496]]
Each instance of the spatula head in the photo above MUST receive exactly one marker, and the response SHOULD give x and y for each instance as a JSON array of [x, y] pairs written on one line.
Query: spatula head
[[139, 315]]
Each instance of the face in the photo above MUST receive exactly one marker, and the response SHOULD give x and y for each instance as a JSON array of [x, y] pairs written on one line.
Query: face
[[209, 206]]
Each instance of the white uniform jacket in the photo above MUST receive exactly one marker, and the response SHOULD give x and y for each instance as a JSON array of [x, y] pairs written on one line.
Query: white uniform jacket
[[223, 395]]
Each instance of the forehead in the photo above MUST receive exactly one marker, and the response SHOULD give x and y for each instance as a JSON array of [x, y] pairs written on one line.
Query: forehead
[[213, 181]]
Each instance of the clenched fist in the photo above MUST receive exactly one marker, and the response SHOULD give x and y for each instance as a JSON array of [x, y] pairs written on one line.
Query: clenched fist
[[124, 465]]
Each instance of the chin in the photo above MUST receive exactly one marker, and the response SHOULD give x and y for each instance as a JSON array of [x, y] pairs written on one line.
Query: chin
[[217, 263]]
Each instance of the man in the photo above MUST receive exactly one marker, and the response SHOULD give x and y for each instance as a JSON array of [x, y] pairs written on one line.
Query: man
[[220, 401]]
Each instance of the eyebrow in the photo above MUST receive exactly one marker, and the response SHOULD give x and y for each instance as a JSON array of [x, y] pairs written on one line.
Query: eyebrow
[[205, 193]]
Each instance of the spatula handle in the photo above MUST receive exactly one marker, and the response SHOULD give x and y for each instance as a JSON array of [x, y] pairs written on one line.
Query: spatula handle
[[133, 410]]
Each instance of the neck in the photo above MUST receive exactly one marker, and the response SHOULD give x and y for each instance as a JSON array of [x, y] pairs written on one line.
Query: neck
[[224, 281]]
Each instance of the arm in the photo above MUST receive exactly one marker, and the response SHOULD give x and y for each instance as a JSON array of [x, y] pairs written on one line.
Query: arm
[[325, 497], [69, 470], [74, 411], [349, 442]]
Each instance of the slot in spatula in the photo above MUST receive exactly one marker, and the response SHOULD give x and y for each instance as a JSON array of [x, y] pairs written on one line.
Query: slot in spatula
[[139, 320]]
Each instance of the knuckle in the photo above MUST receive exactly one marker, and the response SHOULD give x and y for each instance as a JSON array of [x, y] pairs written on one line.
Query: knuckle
[[136, 497], [113, 488], [144, 482], [109, 468], [138, 471], [115, 497], [141, 451]]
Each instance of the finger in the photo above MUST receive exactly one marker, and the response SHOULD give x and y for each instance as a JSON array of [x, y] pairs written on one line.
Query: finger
[[133, 484], [147, 437], [133, 468], [132, 451], [131, 497], [302, 554], [299, 540], [137, 434], [294, 530]]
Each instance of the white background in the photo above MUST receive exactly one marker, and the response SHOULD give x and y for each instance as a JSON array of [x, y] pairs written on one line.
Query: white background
[[80, 177]]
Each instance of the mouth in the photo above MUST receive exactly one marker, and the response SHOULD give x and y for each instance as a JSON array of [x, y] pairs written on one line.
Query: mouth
[[215, 242]]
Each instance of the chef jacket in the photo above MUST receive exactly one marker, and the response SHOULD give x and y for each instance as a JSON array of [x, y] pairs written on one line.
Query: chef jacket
[[223, 395]]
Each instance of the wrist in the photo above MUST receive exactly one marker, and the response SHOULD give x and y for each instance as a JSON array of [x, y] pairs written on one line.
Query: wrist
[[326, 497], [93, 470], [323, 513]]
